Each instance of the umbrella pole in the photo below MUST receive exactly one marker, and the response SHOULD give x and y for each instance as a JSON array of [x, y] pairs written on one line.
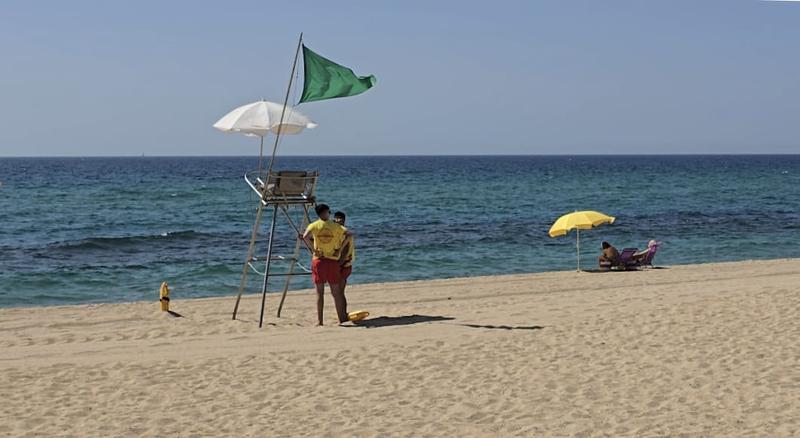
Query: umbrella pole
[[578, 246], [260, 155]]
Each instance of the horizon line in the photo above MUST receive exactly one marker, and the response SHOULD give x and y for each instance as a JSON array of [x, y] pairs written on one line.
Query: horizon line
[[714, 154]]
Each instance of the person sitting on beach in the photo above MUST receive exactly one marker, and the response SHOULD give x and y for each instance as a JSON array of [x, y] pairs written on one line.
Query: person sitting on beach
[[325, 237], [348, 253], [610, 256]]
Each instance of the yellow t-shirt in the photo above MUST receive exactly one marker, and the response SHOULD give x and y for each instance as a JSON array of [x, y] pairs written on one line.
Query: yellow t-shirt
[[351, 253], [328, 237]]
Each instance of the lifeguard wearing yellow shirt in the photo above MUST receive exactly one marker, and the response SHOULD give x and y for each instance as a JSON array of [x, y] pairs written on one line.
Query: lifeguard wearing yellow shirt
[[326, 238], [348, 255]]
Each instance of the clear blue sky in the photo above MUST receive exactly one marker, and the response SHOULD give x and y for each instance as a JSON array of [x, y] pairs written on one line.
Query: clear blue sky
[[461, 77]]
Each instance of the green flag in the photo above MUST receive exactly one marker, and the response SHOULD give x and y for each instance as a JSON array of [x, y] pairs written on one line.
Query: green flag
[[326, 79]]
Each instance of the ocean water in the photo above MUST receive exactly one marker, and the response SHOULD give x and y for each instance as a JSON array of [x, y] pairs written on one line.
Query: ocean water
[[81, 230]]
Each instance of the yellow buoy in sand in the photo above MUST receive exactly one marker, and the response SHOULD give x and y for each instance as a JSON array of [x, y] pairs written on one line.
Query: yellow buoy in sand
[[164, 297], [357, 315]]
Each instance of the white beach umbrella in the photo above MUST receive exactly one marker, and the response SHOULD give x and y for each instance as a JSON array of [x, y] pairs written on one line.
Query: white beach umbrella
[[262, 117], [257, 119]]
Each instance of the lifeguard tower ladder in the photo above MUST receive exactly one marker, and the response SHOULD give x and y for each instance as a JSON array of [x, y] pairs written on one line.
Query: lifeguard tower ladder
[[287, 192]]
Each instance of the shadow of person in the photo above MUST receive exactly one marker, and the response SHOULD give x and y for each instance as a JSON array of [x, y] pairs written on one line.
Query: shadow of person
[[631, 269], [388, 321], [175, 314], [504, 327]]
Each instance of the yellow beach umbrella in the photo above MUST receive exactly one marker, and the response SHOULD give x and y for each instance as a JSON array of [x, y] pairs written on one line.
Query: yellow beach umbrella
[[579, 220]]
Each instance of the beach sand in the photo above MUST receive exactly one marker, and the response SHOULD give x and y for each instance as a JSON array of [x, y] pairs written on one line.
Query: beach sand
[[701, 350]]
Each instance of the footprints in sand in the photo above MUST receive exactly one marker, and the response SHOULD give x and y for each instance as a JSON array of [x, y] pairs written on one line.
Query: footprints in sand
[[707, 362]]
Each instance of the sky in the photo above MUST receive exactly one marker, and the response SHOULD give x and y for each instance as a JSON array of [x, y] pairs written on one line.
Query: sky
[[89, 78]]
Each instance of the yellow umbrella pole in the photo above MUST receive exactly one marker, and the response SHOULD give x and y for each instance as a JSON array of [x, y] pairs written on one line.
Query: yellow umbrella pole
[[578, 246]]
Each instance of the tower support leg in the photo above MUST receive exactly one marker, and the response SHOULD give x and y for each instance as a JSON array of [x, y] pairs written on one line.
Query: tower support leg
[[266, 268], [295, 257], [250, 251]]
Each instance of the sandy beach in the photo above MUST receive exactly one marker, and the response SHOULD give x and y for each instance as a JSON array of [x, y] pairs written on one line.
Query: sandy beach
[[700, 350]]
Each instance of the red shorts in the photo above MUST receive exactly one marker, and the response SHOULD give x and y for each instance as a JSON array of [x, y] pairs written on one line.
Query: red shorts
[[346, 271], [325, 271]]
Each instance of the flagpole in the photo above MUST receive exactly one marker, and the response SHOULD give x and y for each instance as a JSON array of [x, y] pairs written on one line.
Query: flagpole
[[285, 102]]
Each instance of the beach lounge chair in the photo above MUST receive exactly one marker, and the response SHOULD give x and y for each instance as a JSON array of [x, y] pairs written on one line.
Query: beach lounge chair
[[646, 261], [641, 259], [625, 259]]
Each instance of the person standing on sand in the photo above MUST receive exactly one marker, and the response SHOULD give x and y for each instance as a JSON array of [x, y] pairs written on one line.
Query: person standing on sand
[[348, 253], [326, 238]]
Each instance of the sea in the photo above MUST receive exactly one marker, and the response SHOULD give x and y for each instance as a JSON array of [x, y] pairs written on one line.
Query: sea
[[96, 230]]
